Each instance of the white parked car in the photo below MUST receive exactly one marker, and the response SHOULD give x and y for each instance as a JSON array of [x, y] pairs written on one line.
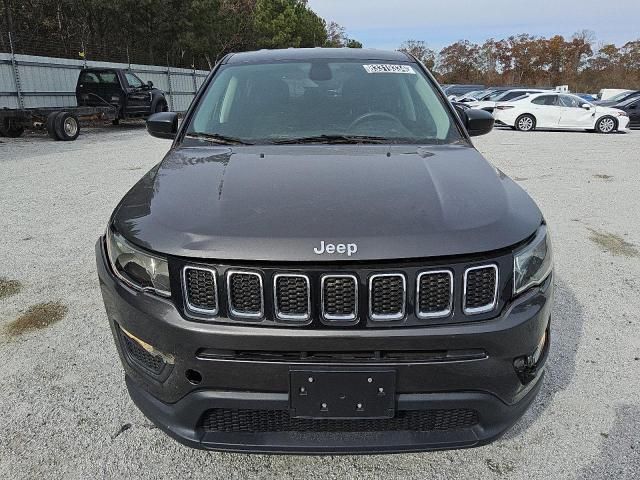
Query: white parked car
[[503, 96], [559, 110], [469, 96]]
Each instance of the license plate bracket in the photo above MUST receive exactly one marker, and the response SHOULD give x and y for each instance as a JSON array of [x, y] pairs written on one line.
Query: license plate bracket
[[316, 393]]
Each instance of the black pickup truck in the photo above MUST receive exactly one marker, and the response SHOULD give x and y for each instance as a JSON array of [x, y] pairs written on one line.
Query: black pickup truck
[[101, 93], [119, 89]]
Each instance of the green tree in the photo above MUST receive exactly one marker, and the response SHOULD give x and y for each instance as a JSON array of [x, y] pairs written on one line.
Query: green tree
[[337, 37], [287, 23]]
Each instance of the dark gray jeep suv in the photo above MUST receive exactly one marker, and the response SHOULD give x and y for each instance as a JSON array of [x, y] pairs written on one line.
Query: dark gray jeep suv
[[324, 263]]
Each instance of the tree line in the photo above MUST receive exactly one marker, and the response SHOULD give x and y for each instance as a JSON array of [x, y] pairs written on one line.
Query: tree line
[[199, 32], [530, 60], [178, 32]]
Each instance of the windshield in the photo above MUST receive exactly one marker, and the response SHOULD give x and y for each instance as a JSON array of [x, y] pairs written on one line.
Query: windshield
[[133, 80], [497, 95], [322, 101], [509, 95], [485, 95], [619, 96]]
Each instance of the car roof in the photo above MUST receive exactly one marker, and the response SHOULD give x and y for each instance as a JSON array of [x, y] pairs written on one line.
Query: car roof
[[505, 88], [102, 69], [265, 56], [551, 92], [628, 101], [540, 90]]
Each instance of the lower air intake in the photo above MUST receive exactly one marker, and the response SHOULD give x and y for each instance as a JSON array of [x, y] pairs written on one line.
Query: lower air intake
[[241, 420]]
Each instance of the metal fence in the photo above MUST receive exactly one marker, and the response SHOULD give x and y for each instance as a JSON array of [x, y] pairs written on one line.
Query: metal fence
[[30, 81]]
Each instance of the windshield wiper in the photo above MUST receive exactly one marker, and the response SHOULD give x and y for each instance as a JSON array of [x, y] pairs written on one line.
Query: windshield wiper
[[217, 138], [349, 139]]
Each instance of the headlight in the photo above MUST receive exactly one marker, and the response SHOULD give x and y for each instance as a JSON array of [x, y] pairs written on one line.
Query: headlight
[[533, 263], [136, 268]]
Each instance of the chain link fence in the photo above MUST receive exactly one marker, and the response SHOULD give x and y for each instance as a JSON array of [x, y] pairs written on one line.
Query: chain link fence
[[36, 73], [74, 47]]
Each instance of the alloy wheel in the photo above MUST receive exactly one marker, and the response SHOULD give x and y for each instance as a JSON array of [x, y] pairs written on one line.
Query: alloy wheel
[[607, 125], [70, 126], [525, 124]]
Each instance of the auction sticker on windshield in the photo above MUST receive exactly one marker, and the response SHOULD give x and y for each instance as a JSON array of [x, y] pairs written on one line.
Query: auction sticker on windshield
[[386, 68]]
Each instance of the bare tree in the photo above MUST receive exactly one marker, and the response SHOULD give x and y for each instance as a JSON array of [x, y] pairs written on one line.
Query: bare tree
[[420, 50]]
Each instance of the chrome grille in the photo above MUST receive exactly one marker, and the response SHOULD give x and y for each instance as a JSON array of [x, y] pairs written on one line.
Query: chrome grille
[[434, 294], [480, 289], [339, 297], [245, 294], [387, 296], [292, 297], [410, 296], [200, 290]]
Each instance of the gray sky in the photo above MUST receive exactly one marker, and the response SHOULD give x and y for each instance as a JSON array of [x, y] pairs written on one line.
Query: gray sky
[[387, 23]]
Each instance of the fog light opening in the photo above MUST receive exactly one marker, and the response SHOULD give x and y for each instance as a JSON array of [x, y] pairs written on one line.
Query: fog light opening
[[167, 358], [193, 376], [526, 367]]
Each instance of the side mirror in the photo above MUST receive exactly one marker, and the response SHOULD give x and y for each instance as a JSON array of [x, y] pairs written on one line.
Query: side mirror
[[163, 125], [586, 106], [478, 122], [150, 84]]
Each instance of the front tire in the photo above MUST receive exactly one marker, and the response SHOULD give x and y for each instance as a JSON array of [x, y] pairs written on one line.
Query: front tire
[[525, 123], [606, 125], [160, 106], [51, 125]]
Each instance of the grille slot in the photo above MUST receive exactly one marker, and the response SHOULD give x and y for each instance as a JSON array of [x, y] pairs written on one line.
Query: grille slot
[[376, 356], [200, 290], [245, 420], [387, 296], [434, 294], [339, 297], [245, 294], [292, 297], [480, 289]]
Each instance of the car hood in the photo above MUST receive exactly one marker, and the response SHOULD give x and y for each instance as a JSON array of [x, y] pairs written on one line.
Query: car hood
[[277, 203], [608, 110], [604, 103], [482, 104]]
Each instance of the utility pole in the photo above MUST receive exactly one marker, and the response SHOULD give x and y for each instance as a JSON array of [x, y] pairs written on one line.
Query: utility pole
[[8, 19]]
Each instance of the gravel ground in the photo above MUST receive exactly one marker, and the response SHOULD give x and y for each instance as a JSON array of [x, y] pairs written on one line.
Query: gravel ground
[[65, 410]]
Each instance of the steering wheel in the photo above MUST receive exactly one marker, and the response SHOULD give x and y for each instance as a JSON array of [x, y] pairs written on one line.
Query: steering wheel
[[370, 115]]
